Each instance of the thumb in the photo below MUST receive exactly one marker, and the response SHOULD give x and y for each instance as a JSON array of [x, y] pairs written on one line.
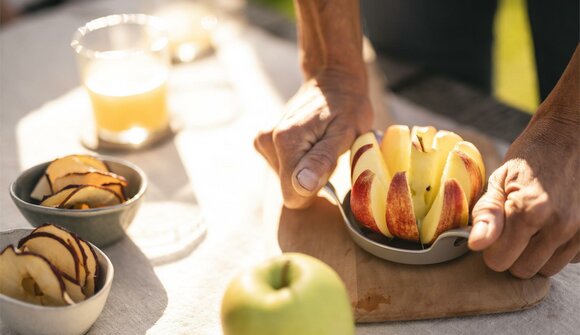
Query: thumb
[[488, 213], [315, 167]]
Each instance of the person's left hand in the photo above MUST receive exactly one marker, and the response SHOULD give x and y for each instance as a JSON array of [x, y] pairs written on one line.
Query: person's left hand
[[529, 219]]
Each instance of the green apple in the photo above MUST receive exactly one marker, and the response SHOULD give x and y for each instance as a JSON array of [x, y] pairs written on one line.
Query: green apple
[[289, 295]]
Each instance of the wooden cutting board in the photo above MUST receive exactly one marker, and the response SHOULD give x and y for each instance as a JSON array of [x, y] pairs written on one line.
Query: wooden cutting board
[[384, 291]]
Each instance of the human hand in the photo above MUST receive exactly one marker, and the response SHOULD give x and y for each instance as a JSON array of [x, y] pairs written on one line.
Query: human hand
[[529, 219], [320, 123]]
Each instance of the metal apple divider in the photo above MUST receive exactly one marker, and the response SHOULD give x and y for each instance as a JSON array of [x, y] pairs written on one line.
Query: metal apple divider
[[449, 245]]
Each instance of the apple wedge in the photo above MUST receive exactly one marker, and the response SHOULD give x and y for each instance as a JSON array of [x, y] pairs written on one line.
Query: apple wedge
[[400, 214], [89, 196], [370, 184], [55, 250], [462, 183], [31, 278], [395, 147]]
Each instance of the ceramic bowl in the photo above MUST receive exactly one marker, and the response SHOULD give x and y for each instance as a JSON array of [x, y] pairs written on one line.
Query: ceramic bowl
[[27, 318], [100, 226]]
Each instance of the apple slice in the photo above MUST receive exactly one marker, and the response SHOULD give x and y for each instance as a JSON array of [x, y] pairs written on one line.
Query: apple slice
[[58, 198], [92, 267], [461, 181], [371, 181], [395, 147], [443, 143], [73, 241], [73, 290], [400, 214], [470, 150], [55, 250], [89, 196], [73, 163], [466, 170], [95, 178], [42, 188], [31, 278]]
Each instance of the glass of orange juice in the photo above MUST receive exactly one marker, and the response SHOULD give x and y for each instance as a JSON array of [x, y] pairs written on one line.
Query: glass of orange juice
[[124, 65]]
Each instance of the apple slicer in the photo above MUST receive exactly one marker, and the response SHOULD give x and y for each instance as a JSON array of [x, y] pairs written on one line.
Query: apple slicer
[[449, 245]]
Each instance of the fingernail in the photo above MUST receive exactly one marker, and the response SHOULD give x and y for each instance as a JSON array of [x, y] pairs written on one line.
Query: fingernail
[[480, 229], [307, 179]]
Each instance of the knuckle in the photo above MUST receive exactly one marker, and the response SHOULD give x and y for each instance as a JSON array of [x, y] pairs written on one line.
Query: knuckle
[[550, 270], [522, 271], [495, 263], [323, 159]]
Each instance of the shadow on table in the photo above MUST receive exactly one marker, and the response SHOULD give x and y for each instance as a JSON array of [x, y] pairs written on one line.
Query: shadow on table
[[137, 299], [169, 224]]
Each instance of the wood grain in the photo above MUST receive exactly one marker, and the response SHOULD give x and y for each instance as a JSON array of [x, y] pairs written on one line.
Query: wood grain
[[384, 291]]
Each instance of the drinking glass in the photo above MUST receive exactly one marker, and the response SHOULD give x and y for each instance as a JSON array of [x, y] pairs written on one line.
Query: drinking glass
[[124, 65]]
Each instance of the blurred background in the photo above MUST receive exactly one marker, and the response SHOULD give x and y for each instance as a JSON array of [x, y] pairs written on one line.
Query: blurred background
[[514, 81]]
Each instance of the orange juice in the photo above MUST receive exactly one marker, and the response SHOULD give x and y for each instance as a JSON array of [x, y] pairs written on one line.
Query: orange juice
[[128, 94]]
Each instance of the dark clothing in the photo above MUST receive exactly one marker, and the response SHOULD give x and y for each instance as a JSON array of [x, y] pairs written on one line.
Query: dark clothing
[[455, 37]]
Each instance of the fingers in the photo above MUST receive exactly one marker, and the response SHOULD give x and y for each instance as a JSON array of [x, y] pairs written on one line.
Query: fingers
[[568, 253], [313, 170], [264, 144], [527, 211], [488, 213]]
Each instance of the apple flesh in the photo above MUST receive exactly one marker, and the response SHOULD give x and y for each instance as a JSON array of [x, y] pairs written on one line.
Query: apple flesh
[[370, 184], [431, 179], [31, 278], [288, 295]]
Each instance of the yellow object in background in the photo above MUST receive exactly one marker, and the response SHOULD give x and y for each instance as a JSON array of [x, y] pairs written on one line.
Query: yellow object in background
[[128, 94], [515, 76]]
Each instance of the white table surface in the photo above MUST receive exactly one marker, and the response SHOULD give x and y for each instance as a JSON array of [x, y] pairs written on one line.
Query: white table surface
[[211, 164]]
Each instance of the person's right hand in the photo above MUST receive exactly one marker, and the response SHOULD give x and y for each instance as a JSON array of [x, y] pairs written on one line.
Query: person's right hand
[[320, 123]]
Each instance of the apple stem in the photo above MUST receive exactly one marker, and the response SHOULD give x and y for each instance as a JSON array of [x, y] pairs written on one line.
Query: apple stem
[[284, 280]]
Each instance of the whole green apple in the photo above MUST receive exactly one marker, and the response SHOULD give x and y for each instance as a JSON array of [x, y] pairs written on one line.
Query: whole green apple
[[292, 294]]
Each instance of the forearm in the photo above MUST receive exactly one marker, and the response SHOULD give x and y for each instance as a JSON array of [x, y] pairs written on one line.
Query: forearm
[[330, 37], [563, 103]]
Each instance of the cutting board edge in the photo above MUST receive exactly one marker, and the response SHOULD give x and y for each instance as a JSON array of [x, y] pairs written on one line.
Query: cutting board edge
[[368, 319]]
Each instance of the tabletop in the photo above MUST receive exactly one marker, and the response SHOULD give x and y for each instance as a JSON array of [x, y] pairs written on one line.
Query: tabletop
[[208, 178]]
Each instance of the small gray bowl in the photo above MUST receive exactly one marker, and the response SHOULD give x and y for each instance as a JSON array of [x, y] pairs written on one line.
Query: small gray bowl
[[100, 226], [26, 318]]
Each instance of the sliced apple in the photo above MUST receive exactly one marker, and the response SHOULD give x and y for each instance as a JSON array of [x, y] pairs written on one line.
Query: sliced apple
[[92, 267], [55, 250], [470, 149], [89, 196], [371, 181], [368, 202], [73, 289], [400, 214], [73, 241], [450, 210], [395, 147], [31, 278], [42, 189], [58, 198], [466, 171], [95, 178], [71, 164]]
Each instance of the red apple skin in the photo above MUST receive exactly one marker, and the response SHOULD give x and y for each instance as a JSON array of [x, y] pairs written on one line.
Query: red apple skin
[[360, 200], [400, 215], [476, 178], [453, 214], [357, 155]]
